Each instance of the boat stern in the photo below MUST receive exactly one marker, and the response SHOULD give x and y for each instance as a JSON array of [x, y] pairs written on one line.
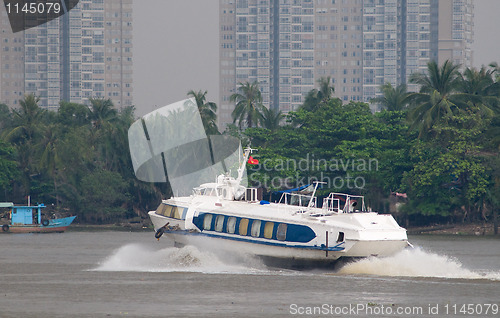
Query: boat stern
[[376, 235]]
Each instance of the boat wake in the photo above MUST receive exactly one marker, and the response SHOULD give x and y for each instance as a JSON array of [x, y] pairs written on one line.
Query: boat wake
[[408, 263], [142, 258], [415, 263]]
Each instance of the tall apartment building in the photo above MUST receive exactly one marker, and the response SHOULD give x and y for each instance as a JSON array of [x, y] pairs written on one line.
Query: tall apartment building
[[455, 31], [84, 54], [11, 62], [287, 45]]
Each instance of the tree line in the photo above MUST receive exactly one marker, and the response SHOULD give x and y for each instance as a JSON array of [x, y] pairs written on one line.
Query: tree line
[[439, 147]]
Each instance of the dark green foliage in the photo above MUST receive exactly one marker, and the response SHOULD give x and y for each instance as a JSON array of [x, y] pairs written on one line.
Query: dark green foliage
[[248, 108], [76, 159], [208, 111], [442, 150], [8, 168], [394, 98], [103, 197]]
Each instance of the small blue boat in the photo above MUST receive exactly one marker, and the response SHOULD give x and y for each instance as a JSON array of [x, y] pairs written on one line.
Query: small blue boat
[[28, 219]]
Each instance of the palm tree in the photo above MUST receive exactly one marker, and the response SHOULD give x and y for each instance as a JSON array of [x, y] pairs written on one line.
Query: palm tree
[[50, 160], [479, 88], [248, 104], [5, 117], [208, 111], [311, 101], [435, 100], [271, 119], [27, 119], [325, 89], [316, 97], [102, 112], [25, 130], [103, 117], [393, 99]]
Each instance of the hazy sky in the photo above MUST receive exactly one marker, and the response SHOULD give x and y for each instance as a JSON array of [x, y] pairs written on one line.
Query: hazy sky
[[176, 48]]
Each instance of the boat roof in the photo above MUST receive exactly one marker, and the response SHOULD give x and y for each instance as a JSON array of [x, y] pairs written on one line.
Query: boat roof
[[11, 205]]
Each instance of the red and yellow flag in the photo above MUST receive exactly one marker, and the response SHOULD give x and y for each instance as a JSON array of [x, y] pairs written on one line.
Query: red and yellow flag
[[253, 161]]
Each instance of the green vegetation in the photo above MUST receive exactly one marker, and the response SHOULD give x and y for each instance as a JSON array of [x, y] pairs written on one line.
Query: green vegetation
[[434, 153], [428, 157], [248, 108], [75, 159]]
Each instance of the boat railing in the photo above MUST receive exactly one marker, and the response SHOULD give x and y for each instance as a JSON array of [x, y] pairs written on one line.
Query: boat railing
[[344, 203], [295, 199], [251, 194], [331, 204]]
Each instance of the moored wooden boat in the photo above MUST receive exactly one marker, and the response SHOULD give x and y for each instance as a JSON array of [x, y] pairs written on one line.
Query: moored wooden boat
[[29, 219]]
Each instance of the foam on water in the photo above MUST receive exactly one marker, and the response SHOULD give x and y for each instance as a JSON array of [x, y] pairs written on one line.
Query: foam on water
[[415, 263], [141, 258], [408, 263]]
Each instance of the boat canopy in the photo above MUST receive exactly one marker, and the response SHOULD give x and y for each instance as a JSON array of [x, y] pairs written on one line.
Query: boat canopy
[[296, 189]]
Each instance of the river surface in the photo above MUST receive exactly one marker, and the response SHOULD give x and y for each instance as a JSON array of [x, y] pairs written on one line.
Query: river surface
[[122, 274]]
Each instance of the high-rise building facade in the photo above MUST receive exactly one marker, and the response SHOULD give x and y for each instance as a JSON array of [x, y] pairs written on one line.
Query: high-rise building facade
[[287, 45], [84, 54], [11, 62], [455, 31]]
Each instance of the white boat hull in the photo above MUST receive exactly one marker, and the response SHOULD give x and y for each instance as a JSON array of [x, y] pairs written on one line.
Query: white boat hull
[[365, 245], [354, 249]]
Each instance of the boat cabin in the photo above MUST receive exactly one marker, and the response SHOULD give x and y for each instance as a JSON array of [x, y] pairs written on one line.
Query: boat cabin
[[26, 215]]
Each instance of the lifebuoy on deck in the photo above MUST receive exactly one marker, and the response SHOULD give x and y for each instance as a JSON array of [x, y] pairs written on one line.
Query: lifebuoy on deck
[[45, 222], [5, 228]]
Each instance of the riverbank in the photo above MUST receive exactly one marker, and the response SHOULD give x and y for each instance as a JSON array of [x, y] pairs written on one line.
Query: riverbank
[[454, 229], [437, 229], [123, 227]]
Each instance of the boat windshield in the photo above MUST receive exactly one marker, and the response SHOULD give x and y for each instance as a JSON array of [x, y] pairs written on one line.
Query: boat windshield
[[207, 191]]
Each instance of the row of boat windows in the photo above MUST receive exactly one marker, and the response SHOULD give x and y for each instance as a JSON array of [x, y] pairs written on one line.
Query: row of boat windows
[[244, 227], [169, 211]]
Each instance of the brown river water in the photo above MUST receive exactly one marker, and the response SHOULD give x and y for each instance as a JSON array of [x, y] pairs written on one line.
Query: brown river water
[[122, 274]]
